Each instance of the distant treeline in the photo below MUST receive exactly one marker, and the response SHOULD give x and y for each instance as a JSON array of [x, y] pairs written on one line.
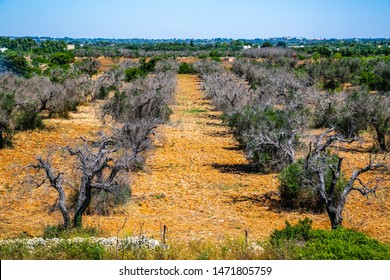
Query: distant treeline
[[178, 47]]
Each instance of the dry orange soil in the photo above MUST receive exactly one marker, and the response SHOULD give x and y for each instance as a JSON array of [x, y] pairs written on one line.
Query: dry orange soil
[[196, 182]]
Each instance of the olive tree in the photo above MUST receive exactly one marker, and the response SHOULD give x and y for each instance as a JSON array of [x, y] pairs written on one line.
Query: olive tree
[[7, 105], [99, 164], [321, 172], [335, 204], [39, 94], [226, 91], [352, 113]]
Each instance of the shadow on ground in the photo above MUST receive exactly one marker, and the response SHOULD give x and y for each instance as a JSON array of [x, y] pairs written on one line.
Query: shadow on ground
[[235, 168]]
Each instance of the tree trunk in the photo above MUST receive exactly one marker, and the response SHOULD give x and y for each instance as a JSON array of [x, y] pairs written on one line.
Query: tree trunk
[[335, 216], [2, 142], [381, 137], [83, 200], [63, 208]]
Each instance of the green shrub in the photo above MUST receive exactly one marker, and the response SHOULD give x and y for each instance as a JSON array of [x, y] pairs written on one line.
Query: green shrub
[[134, 73], [302, 242], [301, 231], [103, 93], [28, 119], [185, 68], [297, 193], [61, 58], [17, 63], [343, 244], [215, 54], [294, 193], [149, 66]]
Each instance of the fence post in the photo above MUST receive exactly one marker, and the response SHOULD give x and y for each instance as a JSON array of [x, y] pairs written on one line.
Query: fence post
[[165, 229]]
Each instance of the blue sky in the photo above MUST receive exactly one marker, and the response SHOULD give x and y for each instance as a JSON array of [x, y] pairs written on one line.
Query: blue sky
[[195, 19]]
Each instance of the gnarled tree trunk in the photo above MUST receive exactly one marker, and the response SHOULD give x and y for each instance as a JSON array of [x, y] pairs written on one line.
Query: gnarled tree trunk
[[83, 200]]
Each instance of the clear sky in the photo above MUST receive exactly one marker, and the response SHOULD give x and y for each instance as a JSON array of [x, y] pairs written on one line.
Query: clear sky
[[154, 19]]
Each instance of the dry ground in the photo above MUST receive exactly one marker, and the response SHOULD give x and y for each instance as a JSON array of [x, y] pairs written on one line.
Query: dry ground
[[196, 182]]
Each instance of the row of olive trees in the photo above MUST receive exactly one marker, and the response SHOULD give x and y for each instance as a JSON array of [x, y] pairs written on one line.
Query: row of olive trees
[[332, 74], [265, 118], [103, 165], [127, 53], [268, 52], [23, 101], [349, 114], [272, 119], [139, 108]]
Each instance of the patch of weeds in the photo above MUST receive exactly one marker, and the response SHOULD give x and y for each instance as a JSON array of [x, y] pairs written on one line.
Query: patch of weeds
[[70, 250], [159, 196], [14, 251], [303, 243], [195, 111], [60, 232], [224, 187]]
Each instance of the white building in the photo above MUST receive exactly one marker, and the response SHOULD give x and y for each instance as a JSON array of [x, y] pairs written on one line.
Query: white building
[[70, 47], [246, 47], [3, 49]]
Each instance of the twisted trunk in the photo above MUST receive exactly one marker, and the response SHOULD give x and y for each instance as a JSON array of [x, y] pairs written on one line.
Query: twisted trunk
[[62, 206], [83, 200], [381, 137], [2, 142]]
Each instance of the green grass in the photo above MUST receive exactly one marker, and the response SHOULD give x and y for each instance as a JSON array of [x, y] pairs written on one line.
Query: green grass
[[229, 249], [59, 232], [224, 187], [298, 242], [301, 242], [64, 250]]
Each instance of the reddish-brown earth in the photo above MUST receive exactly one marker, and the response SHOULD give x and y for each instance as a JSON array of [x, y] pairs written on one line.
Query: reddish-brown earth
[[196, 182]]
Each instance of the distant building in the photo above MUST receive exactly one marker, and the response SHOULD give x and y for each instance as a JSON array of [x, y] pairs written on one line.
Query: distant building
[[246, 47], [229, 59], [70, 47], [3, 49]]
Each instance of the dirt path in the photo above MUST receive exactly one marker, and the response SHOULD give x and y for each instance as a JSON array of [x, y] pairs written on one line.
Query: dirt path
[[196, 174], [196, 183]]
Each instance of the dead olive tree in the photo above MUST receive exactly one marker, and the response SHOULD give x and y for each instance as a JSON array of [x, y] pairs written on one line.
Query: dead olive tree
[[138, 109], [226, 91], [353, 113], [88, 66], [39, 94], [269, 136], [7, 104], [100, 166], [317, 162], [56, 181], [111, 79]]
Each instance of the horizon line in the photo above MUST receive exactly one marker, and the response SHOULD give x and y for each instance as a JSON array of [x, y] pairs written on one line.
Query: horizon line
[[314, 38]]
